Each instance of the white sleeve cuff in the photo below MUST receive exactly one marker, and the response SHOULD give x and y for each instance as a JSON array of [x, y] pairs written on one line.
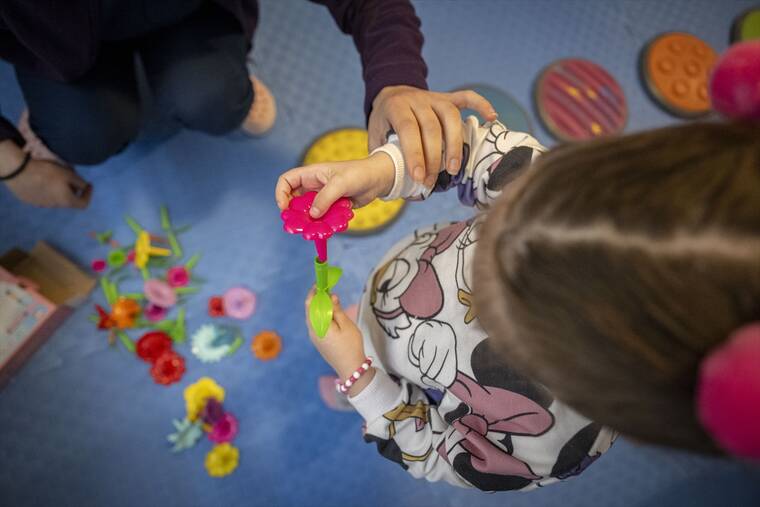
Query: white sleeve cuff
[[380, 396], [404, 187]]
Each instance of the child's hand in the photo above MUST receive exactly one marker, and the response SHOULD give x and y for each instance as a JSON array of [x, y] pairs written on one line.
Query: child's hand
[[360, 180], [342, 346]]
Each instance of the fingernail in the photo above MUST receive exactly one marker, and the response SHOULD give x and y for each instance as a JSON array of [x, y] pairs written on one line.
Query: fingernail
[[418, 173], [494, 113], [454, 165], [314, 212]]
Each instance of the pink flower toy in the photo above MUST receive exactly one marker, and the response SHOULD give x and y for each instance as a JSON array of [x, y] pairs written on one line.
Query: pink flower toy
[[297, 220]]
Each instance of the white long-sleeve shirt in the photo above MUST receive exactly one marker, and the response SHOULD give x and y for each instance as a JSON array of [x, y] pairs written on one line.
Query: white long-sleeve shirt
[[442, 404]]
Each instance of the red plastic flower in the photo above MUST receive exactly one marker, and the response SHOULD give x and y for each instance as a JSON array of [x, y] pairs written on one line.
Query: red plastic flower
[[168, 368], [98, 265], [224, 430], [105, 321], [152, 345], [178, 276], [131, 256], [296, 219], [216, 306]]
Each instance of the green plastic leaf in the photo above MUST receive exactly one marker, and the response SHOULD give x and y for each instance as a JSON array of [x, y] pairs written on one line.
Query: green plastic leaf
[[126, 341], [186, 435], [333, 275], [186, 290], [190, 264], [136, 228], [321, 313], [165, 224]]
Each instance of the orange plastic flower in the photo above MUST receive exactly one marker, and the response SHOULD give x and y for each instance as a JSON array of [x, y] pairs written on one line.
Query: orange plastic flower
[[124, 312], [266, 345]]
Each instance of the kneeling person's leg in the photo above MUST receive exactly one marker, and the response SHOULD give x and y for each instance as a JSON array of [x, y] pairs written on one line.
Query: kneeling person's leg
[[197, 70]]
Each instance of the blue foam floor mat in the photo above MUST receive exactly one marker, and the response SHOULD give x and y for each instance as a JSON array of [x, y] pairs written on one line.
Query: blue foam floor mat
[[83, 424]]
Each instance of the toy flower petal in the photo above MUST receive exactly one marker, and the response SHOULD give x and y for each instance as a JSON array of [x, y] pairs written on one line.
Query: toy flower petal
[[155, 313], [178, 276], [152, 345], [222, 460], [239, 303], [168, 368], [196, 396], [159, 293], [224, 430]]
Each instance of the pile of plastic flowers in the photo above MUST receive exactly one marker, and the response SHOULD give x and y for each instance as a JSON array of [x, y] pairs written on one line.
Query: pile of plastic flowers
[[206, 414], [165, 282]]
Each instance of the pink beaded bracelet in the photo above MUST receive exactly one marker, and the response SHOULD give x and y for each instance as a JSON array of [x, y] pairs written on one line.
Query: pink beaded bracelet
[[343, 387]]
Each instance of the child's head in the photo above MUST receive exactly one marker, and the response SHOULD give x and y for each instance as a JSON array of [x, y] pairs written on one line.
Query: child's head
[[611, 269]]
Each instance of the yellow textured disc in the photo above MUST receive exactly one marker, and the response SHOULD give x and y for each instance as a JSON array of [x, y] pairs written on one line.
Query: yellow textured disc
[[351, 144]]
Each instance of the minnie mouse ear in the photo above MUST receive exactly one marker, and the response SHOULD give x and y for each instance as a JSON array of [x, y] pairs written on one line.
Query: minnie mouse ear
[[735, 83], [728, 393]]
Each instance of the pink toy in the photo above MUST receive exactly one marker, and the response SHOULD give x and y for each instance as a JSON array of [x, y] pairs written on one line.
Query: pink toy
[[296, 220], [224, 429], [728, 393], [178, 276], [735, 82], [159, 293], [239, 303]]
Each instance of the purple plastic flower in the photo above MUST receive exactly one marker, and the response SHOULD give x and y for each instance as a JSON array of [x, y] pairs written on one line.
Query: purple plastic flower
[[155, 313], [212, 412], [224, 430]]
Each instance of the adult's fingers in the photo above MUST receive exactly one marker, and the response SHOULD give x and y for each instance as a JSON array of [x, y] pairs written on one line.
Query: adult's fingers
[[451, 122], [405, 124], [432, 137], [468, 99]]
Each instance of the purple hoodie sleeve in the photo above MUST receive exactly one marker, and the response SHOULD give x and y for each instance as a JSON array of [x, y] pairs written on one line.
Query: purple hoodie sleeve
[[387, 35]]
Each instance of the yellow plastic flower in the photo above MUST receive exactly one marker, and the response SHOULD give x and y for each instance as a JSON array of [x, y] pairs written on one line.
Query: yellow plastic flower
[[222, 460], [143, 250], [196, 396]]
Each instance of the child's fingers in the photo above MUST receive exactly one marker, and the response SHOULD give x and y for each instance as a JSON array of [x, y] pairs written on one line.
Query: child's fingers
[[287, 183], [451, 121], [339, 316], [334, 189], [309, 297]]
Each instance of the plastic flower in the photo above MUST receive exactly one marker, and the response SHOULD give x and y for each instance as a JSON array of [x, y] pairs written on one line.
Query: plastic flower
[[224, 430], [131, 256], [155, 313], [152, 345], [239, 303], [98, 265], [143, 250], [196, 396], [296, 219], [124, 312], [105, 321], [116, 258], [212, 412], [266, 345], [186, 435], [222, 460], [168, 368], [178, 276], [215, 306], [210, 343], [159, 293]]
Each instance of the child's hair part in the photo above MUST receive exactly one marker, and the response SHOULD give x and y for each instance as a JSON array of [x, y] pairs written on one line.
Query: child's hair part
[[612, 268]]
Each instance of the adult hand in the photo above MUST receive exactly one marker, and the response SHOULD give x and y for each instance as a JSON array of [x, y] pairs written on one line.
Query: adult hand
[[49, 184], [425, 121]]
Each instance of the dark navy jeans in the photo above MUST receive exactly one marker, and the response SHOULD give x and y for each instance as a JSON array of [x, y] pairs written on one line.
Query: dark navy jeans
[[196, 70]]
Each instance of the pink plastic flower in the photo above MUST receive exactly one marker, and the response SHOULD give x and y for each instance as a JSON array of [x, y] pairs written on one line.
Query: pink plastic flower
[[178, 276], [159, 293], [239, 303], [224, 430], [131, 256], [154, 313], [296, 220], [98, 265]]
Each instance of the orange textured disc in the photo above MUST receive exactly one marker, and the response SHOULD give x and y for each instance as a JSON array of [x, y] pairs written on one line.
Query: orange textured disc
[[266, 345], [676, 68]]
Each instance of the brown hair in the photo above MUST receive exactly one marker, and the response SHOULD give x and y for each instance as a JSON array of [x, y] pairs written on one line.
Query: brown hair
[[611, 268]]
